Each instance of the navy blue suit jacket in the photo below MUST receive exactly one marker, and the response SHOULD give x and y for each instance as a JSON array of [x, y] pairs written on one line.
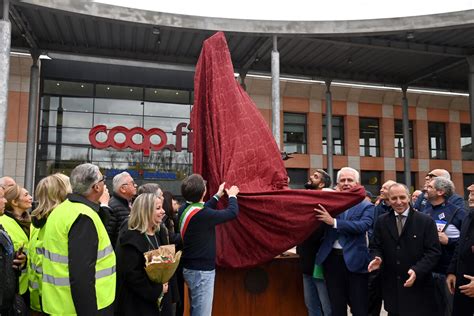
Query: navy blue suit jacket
[[352, 227]]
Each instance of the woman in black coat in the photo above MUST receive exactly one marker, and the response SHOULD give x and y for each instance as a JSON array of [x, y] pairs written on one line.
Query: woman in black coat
[[136, 294]]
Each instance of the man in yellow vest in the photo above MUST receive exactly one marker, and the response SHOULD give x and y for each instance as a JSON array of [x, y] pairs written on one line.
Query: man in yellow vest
[[79, 261]]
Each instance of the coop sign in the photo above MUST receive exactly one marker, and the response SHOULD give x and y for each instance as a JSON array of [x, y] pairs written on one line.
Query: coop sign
[[146, 145]]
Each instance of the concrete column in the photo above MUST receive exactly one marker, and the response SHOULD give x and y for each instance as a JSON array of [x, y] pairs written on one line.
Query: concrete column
[[470, 59], [406, 137], [276, 92], [329, 140], [32, 124], [5, 37]]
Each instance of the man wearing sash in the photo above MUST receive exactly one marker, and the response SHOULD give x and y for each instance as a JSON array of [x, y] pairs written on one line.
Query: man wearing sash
[[197, 223]]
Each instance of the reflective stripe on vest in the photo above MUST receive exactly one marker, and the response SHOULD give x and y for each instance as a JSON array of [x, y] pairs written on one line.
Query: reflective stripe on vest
[[35, 273], [56, 290], [65, 281], [65, 259], [36, 268], [19, 239]]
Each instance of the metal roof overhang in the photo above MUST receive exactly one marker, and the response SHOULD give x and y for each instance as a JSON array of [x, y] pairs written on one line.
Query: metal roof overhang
[[423, 51]]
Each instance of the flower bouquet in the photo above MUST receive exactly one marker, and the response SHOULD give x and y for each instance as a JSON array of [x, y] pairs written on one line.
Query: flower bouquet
[[161, 263]]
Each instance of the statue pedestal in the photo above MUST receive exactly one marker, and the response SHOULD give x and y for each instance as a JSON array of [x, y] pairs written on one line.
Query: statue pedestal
[[274, 288]]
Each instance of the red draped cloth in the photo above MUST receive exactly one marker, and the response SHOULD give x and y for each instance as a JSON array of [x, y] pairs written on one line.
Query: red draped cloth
[[233, 143]]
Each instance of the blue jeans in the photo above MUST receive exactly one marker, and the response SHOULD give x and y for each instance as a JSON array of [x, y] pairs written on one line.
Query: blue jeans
[[201, 289], [316, 296]]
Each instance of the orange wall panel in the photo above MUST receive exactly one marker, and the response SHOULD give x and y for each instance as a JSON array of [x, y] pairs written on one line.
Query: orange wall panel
[[315, 133], [338, 162], [23, 118], [387, 127], [468, 166], [398, 112], [458, 180], [421, 140], [17, 115], [464, 117], [298, 161], [299, 105], [440, 164], [438, 115], [351, 130], [372, 163], [453, 135], [370, 110]]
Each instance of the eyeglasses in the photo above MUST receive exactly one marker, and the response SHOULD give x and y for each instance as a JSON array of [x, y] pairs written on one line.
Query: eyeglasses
[[128, 183], [431, 175], [101, 180]]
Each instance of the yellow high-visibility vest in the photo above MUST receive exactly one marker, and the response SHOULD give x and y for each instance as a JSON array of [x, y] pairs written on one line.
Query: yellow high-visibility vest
[[56, 289], [35, 267], [19, 239]]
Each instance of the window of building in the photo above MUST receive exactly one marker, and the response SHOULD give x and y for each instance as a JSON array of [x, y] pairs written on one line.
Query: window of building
[[69, 110], [337, 135], [298, 177], [437, 140], [401, 179], [398, 141], [371, 180], [369, 138], [294, 133], [466, 142]]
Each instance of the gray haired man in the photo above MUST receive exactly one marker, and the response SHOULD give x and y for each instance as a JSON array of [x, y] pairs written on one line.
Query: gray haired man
[[79, 261], [448, 218], [124, 189]]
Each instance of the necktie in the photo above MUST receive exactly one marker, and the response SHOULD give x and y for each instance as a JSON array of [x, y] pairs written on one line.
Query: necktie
[[399, 224]]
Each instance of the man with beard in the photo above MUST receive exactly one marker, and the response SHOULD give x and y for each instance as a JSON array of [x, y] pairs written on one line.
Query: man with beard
[[422, 200], [448, 218], [315, 293]]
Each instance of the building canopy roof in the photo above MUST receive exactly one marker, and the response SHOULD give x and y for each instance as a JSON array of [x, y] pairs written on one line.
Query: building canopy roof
[[423, 51]]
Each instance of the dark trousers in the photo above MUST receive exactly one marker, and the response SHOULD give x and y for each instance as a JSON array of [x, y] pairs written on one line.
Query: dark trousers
[[375, 293], [345, 287], [462, 305]]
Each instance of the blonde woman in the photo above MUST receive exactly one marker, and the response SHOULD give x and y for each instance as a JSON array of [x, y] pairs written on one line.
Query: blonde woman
[[136, 294], [16, 222], [50, 192]]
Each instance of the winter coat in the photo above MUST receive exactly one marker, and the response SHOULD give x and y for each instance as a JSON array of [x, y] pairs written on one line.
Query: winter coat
[[136, 294]]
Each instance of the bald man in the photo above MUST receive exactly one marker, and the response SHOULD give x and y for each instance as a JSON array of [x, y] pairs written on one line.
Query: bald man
[[422, 201], [6, 182]]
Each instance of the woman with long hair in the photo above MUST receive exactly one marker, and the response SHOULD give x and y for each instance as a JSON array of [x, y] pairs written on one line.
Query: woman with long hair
[[8, 277], [16, 221], [50, 192], [136, 293]]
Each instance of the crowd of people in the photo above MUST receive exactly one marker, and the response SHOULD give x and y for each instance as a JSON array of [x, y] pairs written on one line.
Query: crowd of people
[[79, 249], [414, 253]]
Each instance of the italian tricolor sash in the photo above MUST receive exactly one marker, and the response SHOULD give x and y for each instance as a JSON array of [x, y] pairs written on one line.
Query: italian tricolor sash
[[188, 213]]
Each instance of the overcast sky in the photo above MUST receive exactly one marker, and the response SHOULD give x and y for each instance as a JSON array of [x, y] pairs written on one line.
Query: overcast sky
[[299, 9]]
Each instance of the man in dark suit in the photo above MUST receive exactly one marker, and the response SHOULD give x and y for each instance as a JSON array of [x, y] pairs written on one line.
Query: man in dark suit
[[460, 277], [406, 242], [344, 254]]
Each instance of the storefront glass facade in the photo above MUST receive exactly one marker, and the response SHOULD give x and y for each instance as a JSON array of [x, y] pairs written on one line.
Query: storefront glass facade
[[144, 131]]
